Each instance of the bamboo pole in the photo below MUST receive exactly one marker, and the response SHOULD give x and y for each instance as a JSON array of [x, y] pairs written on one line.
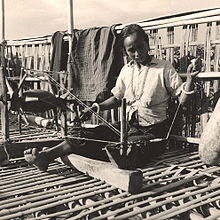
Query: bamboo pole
[[114, 200], [70, 35], [216, 83], [49, 203], [205, 100], [70, 31], [15, 173], [69, 72], [189, 205], [171, 179], [3, 20], [123, 136], [36, 196], [155, 192], [75, 190], [3, 90], [108, 202], [41, 186]]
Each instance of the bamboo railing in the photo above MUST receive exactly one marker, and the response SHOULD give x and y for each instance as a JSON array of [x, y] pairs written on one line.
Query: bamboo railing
[[171, 37]]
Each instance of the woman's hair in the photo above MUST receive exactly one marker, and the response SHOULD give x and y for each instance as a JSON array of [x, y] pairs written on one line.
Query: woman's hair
[[133, 29]]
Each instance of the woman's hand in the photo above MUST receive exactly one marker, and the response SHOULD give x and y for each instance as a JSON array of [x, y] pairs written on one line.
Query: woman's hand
[[193, 74], [87, 112]]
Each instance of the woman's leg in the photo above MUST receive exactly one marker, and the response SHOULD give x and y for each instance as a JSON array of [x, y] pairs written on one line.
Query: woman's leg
[[43, 158], [91, 149]]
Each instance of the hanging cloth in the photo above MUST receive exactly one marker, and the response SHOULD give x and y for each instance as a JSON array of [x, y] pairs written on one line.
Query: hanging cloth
[[59, 54], [96, 61]]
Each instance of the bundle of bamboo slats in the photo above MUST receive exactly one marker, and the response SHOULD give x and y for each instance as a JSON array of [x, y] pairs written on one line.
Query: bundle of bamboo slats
[[177, 186]]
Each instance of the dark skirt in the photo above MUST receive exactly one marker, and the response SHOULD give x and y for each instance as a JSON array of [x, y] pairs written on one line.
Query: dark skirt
[[140, 150]]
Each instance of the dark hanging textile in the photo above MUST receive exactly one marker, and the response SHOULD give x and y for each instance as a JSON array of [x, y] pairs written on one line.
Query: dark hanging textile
[[59, 54], [96, 61]]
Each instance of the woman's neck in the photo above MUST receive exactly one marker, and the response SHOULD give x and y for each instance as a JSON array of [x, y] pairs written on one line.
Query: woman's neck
[[146, 62]]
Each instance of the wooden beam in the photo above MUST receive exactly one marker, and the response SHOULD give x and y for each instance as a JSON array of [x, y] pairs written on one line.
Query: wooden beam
[[176, 18], [204, 75], [181, 23], [175, 22], [128, 180]]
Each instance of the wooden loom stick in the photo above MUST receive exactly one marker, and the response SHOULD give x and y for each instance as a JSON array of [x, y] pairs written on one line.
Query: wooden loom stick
[[123, 137], [128, 180], [70, 32]]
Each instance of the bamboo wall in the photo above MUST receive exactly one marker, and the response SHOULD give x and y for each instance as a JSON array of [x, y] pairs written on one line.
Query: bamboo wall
[[30, 54], [173, 39]]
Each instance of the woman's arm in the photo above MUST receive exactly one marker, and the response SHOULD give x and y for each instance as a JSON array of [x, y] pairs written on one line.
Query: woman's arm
[[188, 87], [110, 103]]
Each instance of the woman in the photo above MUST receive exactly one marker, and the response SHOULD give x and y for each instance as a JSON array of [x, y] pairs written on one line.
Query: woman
[[147, 85]]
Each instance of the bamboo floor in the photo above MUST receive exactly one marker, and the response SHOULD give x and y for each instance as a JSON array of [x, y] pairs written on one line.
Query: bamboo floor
[[176, 186]]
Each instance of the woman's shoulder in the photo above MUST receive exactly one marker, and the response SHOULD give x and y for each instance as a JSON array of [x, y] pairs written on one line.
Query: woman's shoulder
[[129, 65], [163, 62], [126, 68], [160, 62]]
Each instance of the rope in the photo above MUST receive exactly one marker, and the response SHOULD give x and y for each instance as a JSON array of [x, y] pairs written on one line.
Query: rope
[[77, 99], [93, 140], [174, 118], [97, 115]]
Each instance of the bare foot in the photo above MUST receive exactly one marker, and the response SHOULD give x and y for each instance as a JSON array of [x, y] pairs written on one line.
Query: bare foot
[[38, 159]]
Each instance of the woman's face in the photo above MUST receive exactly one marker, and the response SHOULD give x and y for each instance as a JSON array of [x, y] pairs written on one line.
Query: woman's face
[[136, 48]]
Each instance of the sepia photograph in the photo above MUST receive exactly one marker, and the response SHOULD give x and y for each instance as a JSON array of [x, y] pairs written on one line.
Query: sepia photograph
[[109, 110]]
